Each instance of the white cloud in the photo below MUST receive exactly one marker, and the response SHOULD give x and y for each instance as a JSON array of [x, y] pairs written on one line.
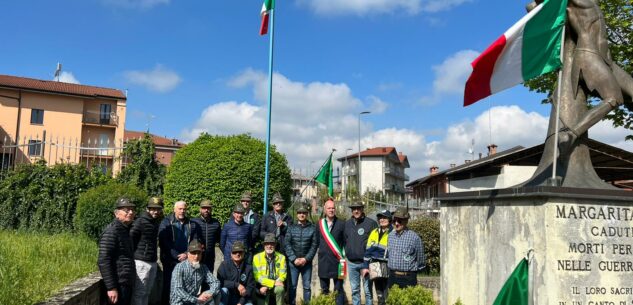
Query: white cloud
[[142, 4], [377, 105], [159, 79], [369, 7], [68, 77], [451, 76]]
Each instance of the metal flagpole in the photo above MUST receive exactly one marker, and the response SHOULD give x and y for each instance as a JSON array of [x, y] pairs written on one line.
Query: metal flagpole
[[559, 85], [270, 104]]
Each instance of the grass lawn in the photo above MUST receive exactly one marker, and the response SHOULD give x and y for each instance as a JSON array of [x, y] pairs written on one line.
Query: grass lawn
[[34, 266]]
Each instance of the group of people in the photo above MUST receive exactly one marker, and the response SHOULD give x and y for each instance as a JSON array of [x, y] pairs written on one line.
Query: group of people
[[263, 256]]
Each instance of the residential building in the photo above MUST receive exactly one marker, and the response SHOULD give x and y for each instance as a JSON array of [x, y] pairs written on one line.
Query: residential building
[[303, 188], [165, 147], [60, 122], [382, 170]]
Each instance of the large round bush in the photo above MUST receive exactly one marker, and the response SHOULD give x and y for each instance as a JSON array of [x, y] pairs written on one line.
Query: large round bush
[[221, 168], [429, 230], [95, 208]]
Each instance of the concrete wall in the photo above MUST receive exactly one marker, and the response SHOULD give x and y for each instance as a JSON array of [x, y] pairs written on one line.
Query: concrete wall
[[88, 290], [510, 176]]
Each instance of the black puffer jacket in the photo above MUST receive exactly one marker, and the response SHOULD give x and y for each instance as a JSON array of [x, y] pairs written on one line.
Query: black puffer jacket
[[144, 233], [269, 225], [116, 261], [209, 232], [301, 241]]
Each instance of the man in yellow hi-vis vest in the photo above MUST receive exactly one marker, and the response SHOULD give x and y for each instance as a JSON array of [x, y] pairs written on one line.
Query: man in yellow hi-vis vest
[[269, 270]]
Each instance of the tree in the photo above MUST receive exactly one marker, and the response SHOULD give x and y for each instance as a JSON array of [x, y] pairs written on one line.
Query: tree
[[221, 168], [618, 15], [143, 170]]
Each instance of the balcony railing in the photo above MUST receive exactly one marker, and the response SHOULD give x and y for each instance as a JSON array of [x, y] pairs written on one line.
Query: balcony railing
[[100, 118], [396, 172], [393, 187]]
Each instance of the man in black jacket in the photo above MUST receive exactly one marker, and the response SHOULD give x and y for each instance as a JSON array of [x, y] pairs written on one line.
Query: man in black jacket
[[276, 222], [236, 278], [209, 234], [331, 254], [116, 250], [144, 233], [301, 246], [357, 231], [175, 233]]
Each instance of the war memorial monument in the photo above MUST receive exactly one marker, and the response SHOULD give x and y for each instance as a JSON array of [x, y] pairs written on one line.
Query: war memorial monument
[[577, 229]]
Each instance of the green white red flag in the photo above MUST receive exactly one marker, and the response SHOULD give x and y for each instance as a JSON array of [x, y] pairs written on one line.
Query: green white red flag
[[530, 48], [266, 8]]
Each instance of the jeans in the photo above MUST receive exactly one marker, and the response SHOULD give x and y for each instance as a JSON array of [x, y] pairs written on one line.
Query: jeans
[[338, 287], [145, 275], [229, 299], [354, 281], [306, 278], [408, 279]]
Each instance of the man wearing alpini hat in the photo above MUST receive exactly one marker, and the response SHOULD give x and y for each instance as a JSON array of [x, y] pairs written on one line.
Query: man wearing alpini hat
[[188, 277], [144, 233], [269, 270], [209, 233], [405, 251], [276, 221], [116, 254], [236, 229], [357, 230]]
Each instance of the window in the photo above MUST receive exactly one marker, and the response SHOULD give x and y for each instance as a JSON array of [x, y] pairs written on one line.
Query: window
[[35, 147], [37, 116], [104, 113]]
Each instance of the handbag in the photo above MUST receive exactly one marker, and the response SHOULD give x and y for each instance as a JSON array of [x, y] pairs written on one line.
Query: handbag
[[378, 268]]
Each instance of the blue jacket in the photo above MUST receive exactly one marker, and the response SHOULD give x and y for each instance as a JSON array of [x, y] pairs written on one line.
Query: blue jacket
[[233, 232], [168, 241]]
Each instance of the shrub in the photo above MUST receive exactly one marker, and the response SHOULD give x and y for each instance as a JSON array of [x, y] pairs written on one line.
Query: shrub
[[416, 295], [459, 302], [323, 299], [95, 207], [221, 168], [42, 198], [429, 230], [143, 170]]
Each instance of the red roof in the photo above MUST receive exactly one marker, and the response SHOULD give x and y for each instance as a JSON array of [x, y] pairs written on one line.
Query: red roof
[[380, 151], [15, 82], [158, 140]]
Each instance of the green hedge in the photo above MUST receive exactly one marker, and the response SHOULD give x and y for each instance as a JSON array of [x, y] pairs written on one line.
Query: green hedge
[[416, 295], [42, 198], [221, 168], [95, 207], [429, 231]]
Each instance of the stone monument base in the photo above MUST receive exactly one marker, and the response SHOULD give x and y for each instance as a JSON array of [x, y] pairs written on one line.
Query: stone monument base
[[582, 242]]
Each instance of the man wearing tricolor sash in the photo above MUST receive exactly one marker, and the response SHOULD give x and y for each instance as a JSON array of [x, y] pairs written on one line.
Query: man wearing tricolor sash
[[331, 252]]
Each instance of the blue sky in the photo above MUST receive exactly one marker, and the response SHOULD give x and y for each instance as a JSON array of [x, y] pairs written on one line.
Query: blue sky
[[192, 66]]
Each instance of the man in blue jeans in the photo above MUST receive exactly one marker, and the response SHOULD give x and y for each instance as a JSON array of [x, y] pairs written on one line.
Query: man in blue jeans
[[356, 233], [301, 245]]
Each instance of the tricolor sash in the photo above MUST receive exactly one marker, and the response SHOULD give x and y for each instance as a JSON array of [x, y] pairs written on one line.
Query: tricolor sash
[[338, 252]]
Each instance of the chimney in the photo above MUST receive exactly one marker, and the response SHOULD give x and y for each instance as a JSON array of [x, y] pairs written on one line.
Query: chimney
[[480, 155], [466, 161], [492, 149], [433, 170], [453, 165], [384, 149]]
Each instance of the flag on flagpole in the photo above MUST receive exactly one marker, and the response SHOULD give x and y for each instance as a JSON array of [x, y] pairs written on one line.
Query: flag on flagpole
[[530, 48], [515, 289], [325, 176], [266, 7]]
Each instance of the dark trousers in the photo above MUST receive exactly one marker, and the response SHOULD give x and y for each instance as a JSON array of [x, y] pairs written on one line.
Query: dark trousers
[[402, 279], [208, 259], [168, 269], [380, 284], [125, 295], [338, 287]]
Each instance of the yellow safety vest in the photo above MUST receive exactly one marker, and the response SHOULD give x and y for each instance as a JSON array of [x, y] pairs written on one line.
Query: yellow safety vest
[[373, 241], [261, 270]]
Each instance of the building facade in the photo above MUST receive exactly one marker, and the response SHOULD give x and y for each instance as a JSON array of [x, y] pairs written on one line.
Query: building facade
[[60, 122], [166, 148]]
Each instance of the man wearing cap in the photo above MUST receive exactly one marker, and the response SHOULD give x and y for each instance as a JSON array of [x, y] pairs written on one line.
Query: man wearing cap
[[116, 255], [188, 277], [209, 233], [276, 222], [269, 270], [376, 251], [236, 278], [357, 231], [144, 233], [405, 251], [331, 262], [301, 245], [175, 233], [236, 229], [249, 216]]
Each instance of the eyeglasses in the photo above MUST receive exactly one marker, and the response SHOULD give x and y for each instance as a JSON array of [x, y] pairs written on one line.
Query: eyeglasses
[[127, 210], [237, 253], [398, 220], [276, 203], [302, 213]]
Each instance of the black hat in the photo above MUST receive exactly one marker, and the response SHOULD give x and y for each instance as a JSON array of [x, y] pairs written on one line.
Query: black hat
[[155, 202], [246, 196], [124, 202], [277, 198], [270, 238], [302, 209], [238, 246], [356, 204], [194, 245], [384, 213], [239, 209], [206, 203], [401, 213]]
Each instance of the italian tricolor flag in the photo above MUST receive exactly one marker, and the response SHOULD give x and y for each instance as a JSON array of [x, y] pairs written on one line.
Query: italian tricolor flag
[[528, 49], [266, 7]]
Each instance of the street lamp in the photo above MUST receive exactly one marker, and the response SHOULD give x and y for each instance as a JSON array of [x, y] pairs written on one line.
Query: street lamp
[[346, 174], [360, 190]]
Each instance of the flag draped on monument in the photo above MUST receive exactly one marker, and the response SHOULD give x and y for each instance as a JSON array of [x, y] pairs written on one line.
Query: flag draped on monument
[[266, 7], [528, 49], [515, 290], [325, 176]]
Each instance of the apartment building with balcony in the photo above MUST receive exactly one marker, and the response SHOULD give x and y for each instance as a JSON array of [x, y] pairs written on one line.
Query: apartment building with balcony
[[60, 122], [382, 170]]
